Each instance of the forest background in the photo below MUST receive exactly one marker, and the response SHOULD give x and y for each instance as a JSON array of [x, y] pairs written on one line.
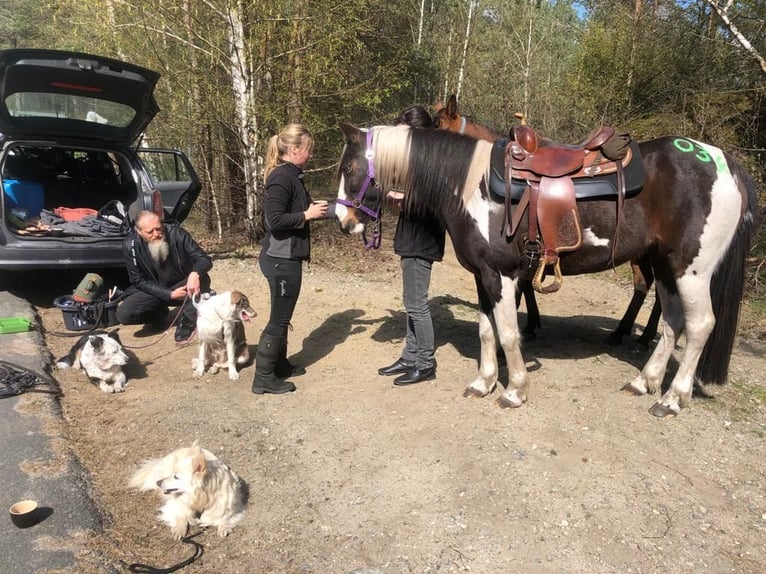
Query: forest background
[[235, 71]]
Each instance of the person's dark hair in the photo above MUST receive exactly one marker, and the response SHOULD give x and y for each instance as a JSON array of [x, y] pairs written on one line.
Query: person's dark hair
[[416, 117]]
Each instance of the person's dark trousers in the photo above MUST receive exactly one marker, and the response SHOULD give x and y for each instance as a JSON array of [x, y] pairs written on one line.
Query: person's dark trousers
[[419, 342], [285, 277], [137, 307]]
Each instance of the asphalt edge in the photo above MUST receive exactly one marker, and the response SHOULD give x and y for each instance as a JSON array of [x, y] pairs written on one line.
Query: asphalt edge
[[69, 495]]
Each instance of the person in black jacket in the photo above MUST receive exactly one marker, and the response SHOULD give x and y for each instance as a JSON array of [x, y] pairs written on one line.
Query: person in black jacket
[[166, 267], [288, 209], [419, 241]]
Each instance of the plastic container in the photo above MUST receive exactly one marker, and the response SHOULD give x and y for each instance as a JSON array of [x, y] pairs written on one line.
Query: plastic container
[[28, 195], [84, 316], [13, 325]]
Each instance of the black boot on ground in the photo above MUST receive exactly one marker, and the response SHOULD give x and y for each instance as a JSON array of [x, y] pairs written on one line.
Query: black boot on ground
[[285, 369], [185, 330], [266, 356]]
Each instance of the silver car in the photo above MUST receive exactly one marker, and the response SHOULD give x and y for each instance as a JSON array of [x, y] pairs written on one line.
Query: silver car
[[71, 172]]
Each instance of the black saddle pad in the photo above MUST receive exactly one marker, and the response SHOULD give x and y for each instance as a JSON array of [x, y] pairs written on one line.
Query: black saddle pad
[[596, 187]]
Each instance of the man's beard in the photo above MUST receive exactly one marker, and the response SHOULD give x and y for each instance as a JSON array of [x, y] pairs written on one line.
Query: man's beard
[[159, 250]]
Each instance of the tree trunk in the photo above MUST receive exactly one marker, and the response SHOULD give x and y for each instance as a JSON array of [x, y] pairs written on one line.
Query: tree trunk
[[244, 98], [295, 67], [472, 4]]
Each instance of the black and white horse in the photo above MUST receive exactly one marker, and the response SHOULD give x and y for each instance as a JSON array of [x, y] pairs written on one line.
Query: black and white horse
[[693, 221]]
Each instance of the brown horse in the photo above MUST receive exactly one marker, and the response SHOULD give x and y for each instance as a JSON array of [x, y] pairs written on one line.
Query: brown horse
[[693, 220], [448, 118]]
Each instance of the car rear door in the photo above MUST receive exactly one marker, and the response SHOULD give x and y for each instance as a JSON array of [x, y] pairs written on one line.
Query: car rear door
[[174, 177]]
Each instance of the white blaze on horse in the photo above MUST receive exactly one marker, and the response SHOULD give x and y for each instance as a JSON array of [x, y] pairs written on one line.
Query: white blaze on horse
[[693, 221]]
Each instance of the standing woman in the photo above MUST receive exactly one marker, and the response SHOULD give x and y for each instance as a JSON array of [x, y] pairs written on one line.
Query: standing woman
[[288, 208]]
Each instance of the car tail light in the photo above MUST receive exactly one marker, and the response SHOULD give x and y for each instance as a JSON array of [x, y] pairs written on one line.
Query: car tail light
[[157, 204]]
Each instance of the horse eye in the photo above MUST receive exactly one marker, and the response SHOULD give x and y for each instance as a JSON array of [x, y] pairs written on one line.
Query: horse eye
[[346, 168]]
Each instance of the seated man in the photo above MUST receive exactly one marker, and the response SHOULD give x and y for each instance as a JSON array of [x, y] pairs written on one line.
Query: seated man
[[166, 267]]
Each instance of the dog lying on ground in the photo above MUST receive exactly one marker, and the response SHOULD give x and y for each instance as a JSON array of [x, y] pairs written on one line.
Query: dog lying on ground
[[198, 489], [221, 333], [102, 357]]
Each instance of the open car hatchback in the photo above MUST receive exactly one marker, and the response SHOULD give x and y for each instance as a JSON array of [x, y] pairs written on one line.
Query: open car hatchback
[[72, 178]]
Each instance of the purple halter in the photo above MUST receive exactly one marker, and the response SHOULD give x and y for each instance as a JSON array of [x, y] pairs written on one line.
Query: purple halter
[[356, 203]]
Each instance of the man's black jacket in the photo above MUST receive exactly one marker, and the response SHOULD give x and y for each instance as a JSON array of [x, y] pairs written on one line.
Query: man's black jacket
[[188, 255]]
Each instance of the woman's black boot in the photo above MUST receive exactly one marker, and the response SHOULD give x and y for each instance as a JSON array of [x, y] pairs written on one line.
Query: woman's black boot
[[266, 356], [285, 369]]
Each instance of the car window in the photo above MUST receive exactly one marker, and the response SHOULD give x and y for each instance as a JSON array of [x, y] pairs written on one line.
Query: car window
[[164, 166], [66, 106]]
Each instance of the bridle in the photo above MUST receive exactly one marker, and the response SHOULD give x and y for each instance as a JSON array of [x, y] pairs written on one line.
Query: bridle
[[356, 202]]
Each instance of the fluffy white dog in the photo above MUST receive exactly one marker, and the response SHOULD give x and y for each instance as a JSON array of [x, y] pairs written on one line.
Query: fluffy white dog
[[198, 489], [102, 357]]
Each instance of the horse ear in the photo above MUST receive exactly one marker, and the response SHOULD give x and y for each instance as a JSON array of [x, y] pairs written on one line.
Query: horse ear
[[351, 133], [452, 106]]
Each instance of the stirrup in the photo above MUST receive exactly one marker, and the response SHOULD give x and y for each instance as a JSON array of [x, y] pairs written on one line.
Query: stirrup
[[558, 279]]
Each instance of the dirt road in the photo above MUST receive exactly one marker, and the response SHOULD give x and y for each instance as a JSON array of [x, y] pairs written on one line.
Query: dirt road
[[352, 474]]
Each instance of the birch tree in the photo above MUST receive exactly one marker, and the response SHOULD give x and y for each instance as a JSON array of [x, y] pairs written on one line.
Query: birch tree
[[723, 9]]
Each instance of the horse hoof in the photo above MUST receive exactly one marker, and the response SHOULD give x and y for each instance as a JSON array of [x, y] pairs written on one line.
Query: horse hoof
[[614, 339], [645, 342], [505, 403], [630, 389], [659, 410], [471, 393], [528, 336]]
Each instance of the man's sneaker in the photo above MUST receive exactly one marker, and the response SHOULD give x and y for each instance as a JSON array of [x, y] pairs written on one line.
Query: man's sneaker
[[184, 330]]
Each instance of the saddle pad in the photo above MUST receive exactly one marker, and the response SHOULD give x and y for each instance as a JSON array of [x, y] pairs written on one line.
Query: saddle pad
[[599, 186]]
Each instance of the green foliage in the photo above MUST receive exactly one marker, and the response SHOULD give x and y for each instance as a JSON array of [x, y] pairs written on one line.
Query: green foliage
[[653, 68]]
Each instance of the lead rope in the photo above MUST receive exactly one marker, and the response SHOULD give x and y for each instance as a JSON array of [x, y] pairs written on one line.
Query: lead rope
[[162, 336], [199, 550]]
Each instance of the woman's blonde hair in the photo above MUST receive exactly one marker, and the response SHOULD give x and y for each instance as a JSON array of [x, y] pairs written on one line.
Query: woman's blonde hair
[[292, 134]]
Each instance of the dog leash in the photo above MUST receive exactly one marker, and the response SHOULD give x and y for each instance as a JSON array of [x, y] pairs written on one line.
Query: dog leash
[[162, 336], [147, 569]]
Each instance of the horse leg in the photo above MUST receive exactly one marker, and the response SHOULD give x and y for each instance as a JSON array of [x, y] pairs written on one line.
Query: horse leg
[[486, 379], [651, 325], [699, 323], [495, 305], [650, 378], [507, 323], [533, 313], [642, 281]]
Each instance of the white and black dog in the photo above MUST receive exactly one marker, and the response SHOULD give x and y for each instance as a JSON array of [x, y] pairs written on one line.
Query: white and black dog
[[101, 355], [221, 333]]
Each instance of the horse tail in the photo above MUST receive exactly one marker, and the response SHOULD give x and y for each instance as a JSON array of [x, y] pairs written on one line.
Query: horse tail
[[728, 285]]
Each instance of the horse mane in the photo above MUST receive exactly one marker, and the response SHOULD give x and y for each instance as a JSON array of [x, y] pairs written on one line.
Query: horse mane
[[437, 170]]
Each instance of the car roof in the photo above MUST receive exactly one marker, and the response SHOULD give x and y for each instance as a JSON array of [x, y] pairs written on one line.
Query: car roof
[[73, 95]]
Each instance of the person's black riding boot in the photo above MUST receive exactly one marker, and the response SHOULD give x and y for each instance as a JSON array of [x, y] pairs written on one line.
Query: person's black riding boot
[[266, 379], [285, 369]]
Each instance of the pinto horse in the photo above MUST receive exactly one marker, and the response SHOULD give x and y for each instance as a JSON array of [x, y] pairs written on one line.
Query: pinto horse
[[448, 118], [693, 221]]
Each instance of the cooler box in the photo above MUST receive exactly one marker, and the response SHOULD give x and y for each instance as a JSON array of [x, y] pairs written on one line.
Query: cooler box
[[28, 195]]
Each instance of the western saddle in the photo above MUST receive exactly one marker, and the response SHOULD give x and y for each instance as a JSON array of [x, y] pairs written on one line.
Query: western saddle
[[549, 169]]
